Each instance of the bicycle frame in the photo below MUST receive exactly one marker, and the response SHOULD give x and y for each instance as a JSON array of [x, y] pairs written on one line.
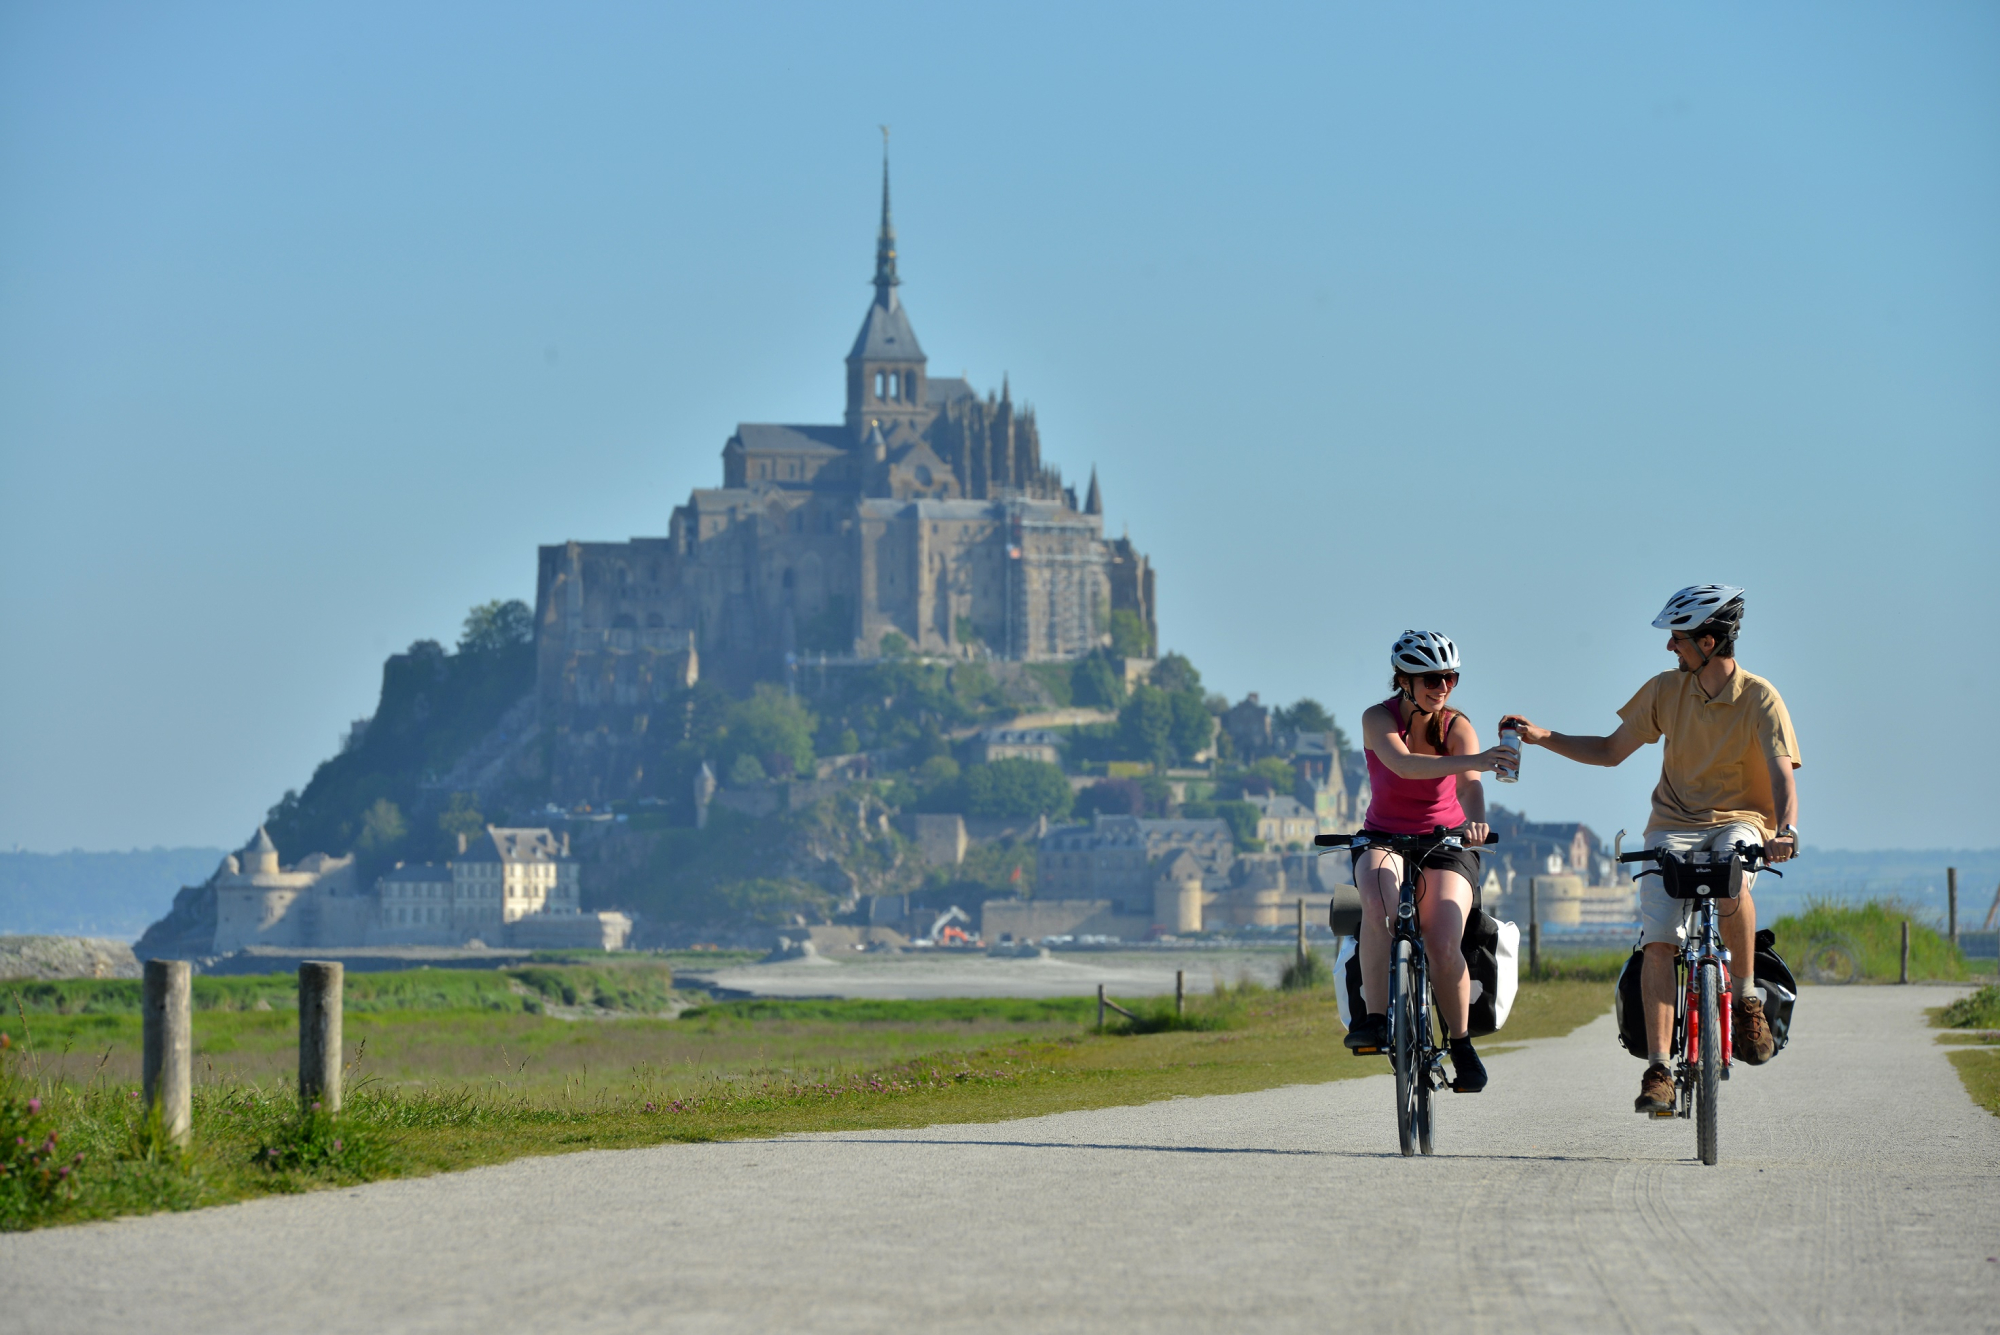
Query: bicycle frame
[[1703, 944], [1701, 1061], [1418, 1055]]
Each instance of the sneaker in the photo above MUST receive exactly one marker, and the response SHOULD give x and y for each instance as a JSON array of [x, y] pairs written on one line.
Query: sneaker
[[1656, 1092], [1468, 1073], [1369, 1035], [1750, 1041]]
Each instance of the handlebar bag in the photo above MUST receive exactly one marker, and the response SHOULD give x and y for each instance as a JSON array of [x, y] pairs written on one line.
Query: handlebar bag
[[1702, 874], [1493, 958]]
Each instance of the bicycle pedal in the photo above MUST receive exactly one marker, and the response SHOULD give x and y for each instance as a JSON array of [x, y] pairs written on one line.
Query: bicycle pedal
[[1368, 1052], [1668, 1113]]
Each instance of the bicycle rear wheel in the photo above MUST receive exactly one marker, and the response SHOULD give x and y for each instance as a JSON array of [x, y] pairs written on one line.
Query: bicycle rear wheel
[[1404, 1049], [1708, 1082]]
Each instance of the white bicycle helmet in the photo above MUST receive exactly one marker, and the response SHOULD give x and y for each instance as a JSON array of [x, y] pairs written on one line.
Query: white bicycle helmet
[[1696, 605], [1424, 651]]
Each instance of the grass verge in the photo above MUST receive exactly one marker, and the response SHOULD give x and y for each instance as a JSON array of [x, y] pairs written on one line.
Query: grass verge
[[1969, 1025], [250, 1139]]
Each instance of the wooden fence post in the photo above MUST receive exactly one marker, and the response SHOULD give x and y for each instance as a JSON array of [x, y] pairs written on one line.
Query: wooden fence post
[[167, 1048], [320, 987], [1180, 991], [1534, 933], [1903, 975], [1951, 902], [1302, 936], [1100, 1008]]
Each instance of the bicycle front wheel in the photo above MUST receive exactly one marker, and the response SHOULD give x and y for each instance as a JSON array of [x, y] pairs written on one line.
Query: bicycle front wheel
[[1404, 1048], [1426, 1061], [1708, 1084]]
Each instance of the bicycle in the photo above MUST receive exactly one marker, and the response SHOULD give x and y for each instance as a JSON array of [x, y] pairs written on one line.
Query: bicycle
[[1416, 1048], [1703, 1017]]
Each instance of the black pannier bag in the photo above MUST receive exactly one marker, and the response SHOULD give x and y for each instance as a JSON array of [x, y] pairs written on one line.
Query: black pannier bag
[[1492, 956], [1778, 987], [1775, 985]]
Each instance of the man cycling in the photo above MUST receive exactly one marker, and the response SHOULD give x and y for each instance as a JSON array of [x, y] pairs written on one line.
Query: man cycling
[[1725, 777], [1424, 764]]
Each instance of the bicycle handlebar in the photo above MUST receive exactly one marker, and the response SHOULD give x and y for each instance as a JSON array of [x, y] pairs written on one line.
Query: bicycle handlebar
[[1752, 853], [1348, 840]]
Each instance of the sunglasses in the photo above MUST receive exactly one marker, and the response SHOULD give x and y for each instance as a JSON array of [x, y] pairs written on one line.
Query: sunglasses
[[1438, 681]]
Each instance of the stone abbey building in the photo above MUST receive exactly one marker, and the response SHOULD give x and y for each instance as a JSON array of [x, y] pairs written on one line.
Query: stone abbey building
[[925, 513]]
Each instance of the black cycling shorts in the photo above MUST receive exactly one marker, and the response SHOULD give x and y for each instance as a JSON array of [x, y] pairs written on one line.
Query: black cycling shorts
[[1464, 861]]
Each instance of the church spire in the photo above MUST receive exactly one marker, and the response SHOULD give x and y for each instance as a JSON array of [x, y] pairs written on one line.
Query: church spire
[[1095, 504], [885, 243]]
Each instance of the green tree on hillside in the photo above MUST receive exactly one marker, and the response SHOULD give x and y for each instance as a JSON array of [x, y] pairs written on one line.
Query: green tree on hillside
[[1128, 635], [1094, 684], [1175, 673], [1007, 789], [1146, 726], [461, 817], [382, 827], [774, 728], [496, 625], [1308, 715]]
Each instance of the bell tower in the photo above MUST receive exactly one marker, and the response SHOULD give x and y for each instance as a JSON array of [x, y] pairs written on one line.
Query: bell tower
[[885, 368]]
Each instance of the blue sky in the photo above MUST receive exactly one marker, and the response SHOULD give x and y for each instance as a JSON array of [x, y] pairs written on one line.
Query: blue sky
[[1505, 321]]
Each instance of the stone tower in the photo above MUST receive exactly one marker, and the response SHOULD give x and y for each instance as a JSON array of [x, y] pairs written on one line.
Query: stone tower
[[885, 368]]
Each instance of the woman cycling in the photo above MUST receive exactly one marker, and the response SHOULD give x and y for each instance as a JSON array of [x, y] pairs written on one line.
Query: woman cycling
[[1424, 764]]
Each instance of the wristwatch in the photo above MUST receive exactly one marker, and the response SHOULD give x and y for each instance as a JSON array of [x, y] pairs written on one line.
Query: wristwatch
[[1790, 832]]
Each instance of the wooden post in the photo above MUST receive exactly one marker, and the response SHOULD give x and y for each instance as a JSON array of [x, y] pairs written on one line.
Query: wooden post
[[1180, 991], [1302, 936], [1951, 902], [1903, 975], [320, 987], [168, 1047], [1100, 1008], [1534, 933]]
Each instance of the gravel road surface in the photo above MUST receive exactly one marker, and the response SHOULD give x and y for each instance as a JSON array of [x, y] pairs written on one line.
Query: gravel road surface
[[1858, 1192]]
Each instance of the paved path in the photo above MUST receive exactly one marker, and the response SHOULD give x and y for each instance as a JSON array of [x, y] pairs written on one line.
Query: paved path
[[1858, 1192], [1124, 973]]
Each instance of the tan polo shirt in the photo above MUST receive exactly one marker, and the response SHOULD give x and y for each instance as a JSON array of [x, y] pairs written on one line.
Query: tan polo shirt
[[1715, 769]]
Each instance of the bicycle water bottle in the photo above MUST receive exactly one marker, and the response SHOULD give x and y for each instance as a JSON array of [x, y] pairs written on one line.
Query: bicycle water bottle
[[1510, 738]]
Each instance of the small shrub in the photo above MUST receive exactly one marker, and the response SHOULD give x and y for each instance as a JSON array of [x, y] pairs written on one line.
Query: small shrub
[[322, 1144], [1306, 971], [36, 1172], [1981, 1010]]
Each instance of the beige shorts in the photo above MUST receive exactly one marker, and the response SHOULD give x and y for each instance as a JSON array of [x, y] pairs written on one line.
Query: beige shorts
[[1662, 917]]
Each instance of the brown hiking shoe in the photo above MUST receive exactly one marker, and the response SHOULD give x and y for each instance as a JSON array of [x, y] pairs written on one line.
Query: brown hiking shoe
[[1750, 1041], [1656, 1092]]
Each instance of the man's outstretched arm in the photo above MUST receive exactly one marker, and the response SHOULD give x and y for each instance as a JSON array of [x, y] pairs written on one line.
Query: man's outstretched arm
[[1606, 751]]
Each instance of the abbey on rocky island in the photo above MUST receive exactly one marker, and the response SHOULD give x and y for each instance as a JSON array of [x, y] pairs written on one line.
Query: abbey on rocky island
[[926, 514]]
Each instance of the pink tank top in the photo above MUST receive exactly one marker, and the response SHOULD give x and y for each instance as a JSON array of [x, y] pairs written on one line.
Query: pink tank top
[[1409, 806]]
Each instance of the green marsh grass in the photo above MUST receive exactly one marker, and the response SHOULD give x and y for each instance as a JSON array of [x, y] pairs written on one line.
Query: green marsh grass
[[733, 1071]]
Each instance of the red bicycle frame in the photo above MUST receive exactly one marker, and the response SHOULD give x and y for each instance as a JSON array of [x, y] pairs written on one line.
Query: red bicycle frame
[[1691, 1008]]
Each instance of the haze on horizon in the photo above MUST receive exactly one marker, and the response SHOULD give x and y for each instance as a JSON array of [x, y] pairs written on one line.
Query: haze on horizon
[[315, 321]]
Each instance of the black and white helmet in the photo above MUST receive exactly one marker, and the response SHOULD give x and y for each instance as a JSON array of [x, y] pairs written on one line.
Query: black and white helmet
[[1424, 651], [1699, 604]]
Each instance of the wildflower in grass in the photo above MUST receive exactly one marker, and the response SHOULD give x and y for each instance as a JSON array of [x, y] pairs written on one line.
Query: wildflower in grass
[[34, 1107], [336, 1144]]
